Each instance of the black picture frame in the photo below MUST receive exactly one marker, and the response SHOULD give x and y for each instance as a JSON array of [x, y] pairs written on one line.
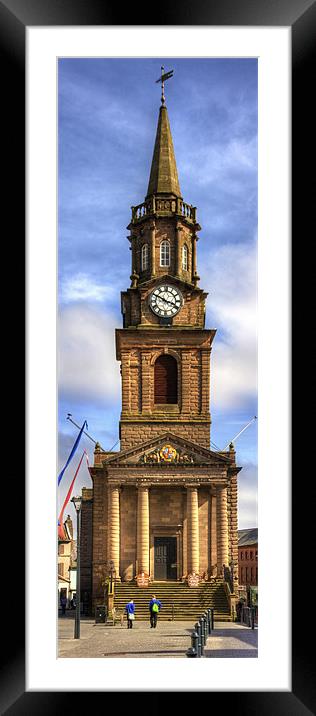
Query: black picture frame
[[300, 15]]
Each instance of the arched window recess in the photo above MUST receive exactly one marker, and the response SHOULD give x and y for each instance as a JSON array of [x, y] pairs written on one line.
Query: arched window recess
[[166, 380], [165, 253]]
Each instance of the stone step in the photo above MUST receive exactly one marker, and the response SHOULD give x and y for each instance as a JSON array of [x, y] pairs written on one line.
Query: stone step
[[179, 602]]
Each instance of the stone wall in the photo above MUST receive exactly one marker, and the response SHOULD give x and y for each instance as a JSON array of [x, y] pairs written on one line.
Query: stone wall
[[86, 546], [134, 433]]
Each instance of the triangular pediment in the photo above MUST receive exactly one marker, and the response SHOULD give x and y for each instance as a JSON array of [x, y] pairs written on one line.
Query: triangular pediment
[[169, 278], [168, 448]]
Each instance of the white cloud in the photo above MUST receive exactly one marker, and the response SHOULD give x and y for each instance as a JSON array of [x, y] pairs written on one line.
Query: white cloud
[[223, 165], [82, 287], [88, 369], [230, 276], [247, 507], [248, 497]]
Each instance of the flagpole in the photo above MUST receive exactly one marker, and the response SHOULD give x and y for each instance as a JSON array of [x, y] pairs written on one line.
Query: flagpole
[[69, 417], [241, 431]]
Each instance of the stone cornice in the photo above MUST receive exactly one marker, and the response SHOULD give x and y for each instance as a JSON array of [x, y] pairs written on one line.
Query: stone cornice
[[173, 481]]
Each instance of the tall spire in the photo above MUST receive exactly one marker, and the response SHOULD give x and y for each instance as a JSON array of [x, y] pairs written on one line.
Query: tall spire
[[163, 174]]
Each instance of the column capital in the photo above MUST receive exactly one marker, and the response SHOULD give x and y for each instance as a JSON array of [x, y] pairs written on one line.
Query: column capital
[[143, 485], [115, 486]]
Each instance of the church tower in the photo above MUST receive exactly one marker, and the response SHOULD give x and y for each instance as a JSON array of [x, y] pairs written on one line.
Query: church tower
[[165, 505], [163, 347]]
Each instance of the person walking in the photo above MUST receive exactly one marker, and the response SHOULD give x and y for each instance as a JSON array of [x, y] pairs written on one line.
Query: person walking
[[130, 611], [154, 609], [63, 604]]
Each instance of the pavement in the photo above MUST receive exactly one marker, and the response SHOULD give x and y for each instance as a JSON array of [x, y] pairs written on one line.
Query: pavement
[[168, 640]]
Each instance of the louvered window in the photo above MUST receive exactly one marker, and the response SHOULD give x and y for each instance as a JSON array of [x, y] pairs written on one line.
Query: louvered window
[[145, 257], [166, 380], [165, 253]]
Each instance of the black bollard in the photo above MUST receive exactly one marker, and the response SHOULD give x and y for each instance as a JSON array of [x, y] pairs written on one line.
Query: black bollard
[[201, 639], [195, 642], [197, 628], [209, 621], [212, 618], [253, 617], [201, 620], [194, 648], [205, 628], [202, 629]]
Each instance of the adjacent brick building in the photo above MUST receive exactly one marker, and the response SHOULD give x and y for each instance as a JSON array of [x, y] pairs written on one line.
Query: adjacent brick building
[[66, 560], [248, 557], [165, 504]]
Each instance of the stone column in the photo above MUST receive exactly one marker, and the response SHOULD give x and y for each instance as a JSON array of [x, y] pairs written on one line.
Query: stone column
[[133, 248], [194, 240], [213, 533], [193, 529], [143, 530], [178, 262], [234, 527], [147, 382], [222, 528], [185, 380], [114, 526], [152, 248]]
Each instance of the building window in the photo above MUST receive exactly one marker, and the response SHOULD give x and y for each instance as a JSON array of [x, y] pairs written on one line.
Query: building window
[[145, 254], [251, 554], [166, 379], [185, 257], [246, 555], [241, 555], [61, 549], [165, 253], [61, 569]]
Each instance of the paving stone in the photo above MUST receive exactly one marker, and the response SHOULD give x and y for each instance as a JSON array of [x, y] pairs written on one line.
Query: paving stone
[[168, 640]]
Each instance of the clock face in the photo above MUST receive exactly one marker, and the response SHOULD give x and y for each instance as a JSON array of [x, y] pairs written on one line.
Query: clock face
[[165, 301]]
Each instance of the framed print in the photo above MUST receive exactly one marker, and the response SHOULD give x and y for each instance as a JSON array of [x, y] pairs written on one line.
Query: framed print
[[33, 38]]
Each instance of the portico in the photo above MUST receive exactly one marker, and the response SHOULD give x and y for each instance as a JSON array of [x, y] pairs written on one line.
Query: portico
[[181, 521]]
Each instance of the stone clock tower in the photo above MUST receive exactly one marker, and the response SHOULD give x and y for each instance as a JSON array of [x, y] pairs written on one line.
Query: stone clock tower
[[165, 505]]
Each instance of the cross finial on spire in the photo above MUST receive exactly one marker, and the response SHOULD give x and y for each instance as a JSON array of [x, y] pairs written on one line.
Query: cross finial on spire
[[164, 76]]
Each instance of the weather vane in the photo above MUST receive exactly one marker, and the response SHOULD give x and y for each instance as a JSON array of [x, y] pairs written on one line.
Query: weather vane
[[164, 76]]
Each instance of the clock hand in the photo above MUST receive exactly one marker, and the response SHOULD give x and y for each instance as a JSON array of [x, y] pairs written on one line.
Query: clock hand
[[165, 300]]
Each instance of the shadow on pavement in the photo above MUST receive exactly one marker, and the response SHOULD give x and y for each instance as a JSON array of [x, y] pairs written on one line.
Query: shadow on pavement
[[230, 653]]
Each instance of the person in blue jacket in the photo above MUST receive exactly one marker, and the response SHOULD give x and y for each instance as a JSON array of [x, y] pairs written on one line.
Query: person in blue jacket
[[130, 611], [154, 609]]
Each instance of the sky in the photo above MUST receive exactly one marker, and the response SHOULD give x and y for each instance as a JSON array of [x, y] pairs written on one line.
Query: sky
[[107, 120]]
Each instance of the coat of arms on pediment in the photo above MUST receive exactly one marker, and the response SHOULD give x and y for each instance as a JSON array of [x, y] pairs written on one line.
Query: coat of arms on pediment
[[167, 449], [167, 453]]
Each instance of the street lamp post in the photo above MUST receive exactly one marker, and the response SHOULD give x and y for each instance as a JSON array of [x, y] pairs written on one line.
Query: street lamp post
[[112, 574], [110, 592], [77, 503]]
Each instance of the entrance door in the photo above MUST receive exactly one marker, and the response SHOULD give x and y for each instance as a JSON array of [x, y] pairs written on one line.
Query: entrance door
[[165, 558]]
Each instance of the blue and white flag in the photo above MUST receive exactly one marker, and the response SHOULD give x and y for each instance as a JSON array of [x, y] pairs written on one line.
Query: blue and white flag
[[73, 451]]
